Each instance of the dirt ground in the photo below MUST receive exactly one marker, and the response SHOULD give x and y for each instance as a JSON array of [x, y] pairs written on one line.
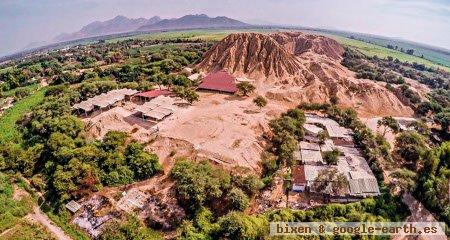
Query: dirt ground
[[224, 128], [120, 118], [372, 123]]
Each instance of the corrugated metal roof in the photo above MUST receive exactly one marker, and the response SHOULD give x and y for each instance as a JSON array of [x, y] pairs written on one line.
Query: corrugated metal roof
[[311, 172], [73, 206], [219, 81], [194, 77], [309, 146], [327, 146], [104, 100], [298, 175], [155, 93], [312, 128], [311, 157], [158, 113]]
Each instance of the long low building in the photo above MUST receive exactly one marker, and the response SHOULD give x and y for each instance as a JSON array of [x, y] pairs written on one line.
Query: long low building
[[157, 109], [149, 95], [103, 100], [219, 81], [333, 128]]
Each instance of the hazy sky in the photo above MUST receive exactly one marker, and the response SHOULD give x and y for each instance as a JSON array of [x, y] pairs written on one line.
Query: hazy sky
[[427, 21]]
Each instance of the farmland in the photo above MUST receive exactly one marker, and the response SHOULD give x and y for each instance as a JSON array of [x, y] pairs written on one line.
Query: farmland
[[368, 49], [383, 52], [9, 119]]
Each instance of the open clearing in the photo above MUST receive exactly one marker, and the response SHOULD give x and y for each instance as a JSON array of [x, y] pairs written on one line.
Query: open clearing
[[224, 128]]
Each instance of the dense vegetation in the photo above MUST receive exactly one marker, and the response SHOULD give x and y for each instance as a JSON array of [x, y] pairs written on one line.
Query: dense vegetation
[[237, 225], [392, 71], [286, 131], [59, 160], [11, 211], [433, 187], [200, 185], [129, 229]]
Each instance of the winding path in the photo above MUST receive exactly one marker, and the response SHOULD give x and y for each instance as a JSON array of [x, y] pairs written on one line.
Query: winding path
[[38, 216]]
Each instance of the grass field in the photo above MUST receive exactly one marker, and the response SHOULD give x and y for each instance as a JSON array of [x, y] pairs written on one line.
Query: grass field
[[382, 52], [216, 35], [8, 130], [211, 35], [11, 211], [12, 92], [27, 230], [433, 54]]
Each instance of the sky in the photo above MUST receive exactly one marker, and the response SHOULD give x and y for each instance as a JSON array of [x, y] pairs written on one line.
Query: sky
[[427, 21]]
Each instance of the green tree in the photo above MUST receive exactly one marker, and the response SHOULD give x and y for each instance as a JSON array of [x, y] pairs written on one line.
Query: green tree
[[322, 135], [142, 163], [443, 118], [331, 157], [169, 65], [404, 179], [245, 88], [187, 94], [251, 184], [330, 181], [260, 101], [389, 122], [130, 229], [237, 199], [197, 184], [420, 126], [410, 146], [114, 141], [236, 225]]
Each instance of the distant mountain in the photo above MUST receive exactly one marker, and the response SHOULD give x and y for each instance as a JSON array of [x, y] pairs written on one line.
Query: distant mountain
[[193, 21], [119, 24], [35, 45]]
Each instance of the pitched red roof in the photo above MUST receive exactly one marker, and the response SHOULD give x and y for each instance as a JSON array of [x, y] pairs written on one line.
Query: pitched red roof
[[155, 93], [298, 175], [219, 81]]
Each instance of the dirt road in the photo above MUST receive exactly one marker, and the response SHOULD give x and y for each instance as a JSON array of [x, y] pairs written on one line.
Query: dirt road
[[38, 216], [418, 214]]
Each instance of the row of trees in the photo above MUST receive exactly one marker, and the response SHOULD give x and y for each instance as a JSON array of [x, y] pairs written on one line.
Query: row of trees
[[393, 71], [286, 131], [236, 225]]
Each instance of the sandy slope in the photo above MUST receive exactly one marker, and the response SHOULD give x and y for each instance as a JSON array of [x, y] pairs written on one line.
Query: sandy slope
[[299, 67]]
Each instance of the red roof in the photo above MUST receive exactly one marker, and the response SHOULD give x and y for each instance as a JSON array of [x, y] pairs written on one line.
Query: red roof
[[155, 93], [298, 175], [219, 81]]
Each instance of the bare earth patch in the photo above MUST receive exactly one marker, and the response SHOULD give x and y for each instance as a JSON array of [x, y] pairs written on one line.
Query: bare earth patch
[[220, 127]]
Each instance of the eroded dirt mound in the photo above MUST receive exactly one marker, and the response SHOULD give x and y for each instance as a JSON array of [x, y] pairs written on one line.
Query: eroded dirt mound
[[254, 54], [298, 43], [299, 67]]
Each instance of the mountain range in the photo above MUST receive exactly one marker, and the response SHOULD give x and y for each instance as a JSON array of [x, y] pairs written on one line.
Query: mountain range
[[122, 24]]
